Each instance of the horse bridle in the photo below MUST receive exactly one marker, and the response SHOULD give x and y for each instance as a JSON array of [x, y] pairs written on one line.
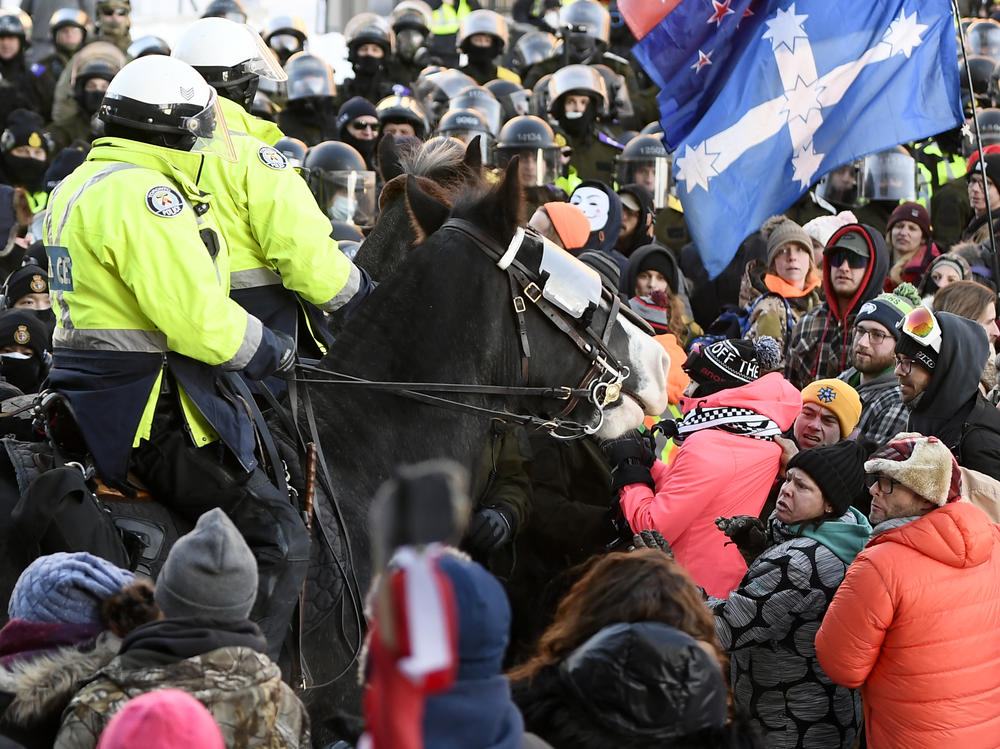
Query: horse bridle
[[600, 385]]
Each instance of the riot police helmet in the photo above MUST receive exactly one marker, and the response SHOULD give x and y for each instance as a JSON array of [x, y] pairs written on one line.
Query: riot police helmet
[[486, 22], [483, 101], [585, 26], [534, 142], [368, 28], [309, 77], [531, 49], [66, 18], [577, 79], [399, 109], [645, 161], [16, 23], [293, 149], [231, 10], [464, 125], [147, 45], [889, 175], [514, 99], [984, 38], [341, 182], [286, 35]]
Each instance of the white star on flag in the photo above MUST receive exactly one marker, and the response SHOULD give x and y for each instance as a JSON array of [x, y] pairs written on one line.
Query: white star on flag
[[803, 99], [703, 60], [904, 33], [785, 28], [695, 166], [806, 163]]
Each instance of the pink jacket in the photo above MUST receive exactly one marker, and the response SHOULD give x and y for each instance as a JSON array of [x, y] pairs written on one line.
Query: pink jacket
[[916, 624], [713, 474]]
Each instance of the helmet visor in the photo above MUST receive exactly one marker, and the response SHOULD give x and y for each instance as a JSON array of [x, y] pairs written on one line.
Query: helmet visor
[[266, 63], [840, 186], [536, 166], [285, 43], [890, 175], [213, 134], [345, 195], [653, 174]]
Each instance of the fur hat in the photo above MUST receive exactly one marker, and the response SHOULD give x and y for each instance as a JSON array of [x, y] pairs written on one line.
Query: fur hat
[[922, 464], [66, 588], [731, 363], [162, 719], [889, 308], [209, 572], [838, 470], [780, 230], [838, 397]]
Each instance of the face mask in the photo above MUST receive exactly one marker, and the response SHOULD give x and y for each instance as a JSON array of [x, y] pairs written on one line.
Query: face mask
[[25, 171], [574, 115], [367, 66], [365, 147], [342, 209], [47, 317], [481, 56], [22, 371], [91, 101], [408, 42]]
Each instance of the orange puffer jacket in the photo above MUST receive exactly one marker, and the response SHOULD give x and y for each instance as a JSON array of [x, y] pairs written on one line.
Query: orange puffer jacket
[[916, 624]]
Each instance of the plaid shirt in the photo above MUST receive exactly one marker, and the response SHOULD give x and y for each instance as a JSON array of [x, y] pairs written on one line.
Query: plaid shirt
[[883, 414], [819, 346]]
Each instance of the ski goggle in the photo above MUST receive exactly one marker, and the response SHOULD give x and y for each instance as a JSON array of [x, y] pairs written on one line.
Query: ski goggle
[[922, 327]]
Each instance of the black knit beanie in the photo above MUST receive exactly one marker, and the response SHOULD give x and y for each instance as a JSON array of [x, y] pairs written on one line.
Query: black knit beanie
[[838, 470]]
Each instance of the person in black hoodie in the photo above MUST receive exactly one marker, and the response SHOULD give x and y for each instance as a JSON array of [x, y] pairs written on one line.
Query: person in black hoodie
[[937, 363], [855, 264], [637, 219], [655, 288]]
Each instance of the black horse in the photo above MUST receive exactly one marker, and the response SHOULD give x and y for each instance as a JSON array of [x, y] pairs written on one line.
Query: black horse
[[446, 316]]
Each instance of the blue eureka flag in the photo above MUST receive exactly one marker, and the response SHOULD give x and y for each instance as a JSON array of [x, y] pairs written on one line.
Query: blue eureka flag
[[778, 93]]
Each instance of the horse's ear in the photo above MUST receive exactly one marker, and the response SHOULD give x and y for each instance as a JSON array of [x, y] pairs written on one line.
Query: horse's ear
[[510, 194], [389, 162], [426, 213], [474, 155]]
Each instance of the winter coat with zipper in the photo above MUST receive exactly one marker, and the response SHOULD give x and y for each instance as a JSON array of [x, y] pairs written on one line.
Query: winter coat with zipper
[[769, 626], [714, 473], [221, 664], [951, 407], [914, 624], [821, 342]]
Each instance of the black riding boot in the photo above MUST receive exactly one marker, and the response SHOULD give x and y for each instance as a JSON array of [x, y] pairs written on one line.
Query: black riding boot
[[192, 480]]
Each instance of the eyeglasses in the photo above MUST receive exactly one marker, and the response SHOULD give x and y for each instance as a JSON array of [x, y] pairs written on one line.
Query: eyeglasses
[[114, 12], [359, 125], [854, 260], [922, 327], [905, 366], [875, 336], [885, 484]]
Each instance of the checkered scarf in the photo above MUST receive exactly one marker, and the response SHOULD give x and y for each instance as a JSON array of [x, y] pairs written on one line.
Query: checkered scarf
[[741, 421]]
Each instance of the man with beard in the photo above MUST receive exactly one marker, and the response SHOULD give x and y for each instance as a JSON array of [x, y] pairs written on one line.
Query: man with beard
[[883, 414], [358, 126], [25, 149]]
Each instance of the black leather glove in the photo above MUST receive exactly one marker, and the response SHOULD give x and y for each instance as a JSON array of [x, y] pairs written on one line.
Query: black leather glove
[[286, 365], [491, 528], [651, 540], [630, 458], [747, 532]]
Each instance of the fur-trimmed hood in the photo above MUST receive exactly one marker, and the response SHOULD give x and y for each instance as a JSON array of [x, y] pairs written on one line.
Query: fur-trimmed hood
[[43, 686]]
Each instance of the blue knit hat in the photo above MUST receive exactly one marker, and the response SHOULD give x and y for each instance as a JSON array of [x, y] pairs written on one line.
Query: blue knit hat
[[66, 588]]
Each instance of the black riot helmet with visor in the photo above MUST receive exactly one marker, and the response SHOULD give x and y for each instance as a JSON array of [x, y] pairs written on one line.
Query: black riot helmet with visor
[[483, 101], [984, 38], [309, 77], [368, 28], [531, 49], [341, 182], [889, 175], [231, 10], [411, 24], [577, 79], [285, 35], [840, 186], [464, 125], [230, 56], [645, 161], [399, 109], [620, 108], [533, 141], [585, 27], [16, 23], [514, 99], [981, 69], [487, 22], [436, 91]]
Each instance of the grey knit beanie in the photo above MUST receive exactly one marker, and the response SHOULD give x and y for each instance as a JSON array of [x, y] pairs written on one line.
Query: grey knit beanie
[[778, 231], [210, 572]]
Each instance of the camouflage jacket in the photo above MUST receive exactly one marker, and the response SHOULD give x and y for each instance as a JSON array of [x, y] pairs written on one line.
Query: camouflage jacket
[[240, 687]]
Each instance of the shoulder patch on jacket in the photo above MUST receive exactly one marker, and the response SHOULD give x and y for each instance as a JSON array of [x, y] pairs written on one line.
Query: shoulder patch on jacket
[[272, 157], [163, 200]]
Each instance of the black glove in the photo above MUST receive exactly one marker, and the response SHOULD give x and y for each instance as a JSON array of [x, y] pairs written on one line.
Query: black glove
[[491, 528], [286, 366], [747, 532], [630, 458], [651, 540]]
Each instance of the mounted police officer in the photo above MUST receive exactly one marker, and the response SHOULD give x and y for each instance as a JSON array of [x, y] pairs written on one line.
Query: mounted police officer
[[146, 331], [285, 268]]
